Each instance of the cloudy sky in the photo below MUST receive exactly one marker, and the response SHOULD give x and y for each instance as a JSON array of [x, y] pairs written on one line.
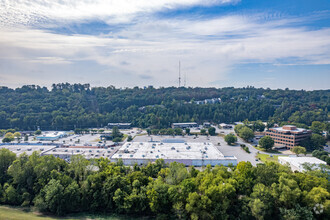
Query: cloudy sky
[[126, 43]]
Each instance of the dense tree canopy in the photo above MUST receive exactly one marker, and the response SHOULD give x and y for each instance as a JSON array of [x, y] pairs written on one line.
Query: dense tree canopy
[[69, 106], [267, 191]]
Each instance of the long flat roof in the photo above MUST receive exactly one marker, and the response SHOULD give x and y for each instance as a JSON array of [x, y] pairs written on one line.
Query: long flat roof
[[298, 161], [88, 153], [28, 149], [157, 150], [51, 135]]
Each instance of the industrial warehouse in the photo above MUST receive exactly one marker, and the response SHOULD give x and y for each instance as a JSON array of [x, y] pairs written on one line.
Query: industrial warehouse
[[190, 154]]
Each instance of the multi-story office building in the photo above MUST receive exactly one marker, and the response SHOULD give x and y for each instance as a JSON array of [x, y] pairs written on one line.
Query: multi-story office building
[[288, 135]]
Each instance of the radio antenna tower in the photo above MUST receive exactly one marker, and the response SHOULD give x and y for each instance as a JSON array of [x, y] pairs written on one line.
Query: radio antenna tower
[[179, 74]]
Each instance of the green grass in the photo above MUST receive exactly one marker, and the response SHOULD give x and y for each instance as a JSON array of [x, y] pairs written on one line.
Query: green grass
[[124, 137], [10, 213], [142, 134], [268, 158], [268, 151], [18, 213]]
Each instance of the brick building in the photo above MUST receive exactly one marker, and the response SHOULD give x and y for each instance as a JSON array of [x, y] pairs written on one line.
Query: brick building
[[288, 135]]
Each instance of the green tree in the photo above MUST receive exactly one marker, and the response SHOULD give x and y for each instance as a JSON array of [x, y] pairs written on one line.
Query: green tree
[[6, 159], [8, 137], [37, 132], [155, 131], [258, 126], [79, 168], [176, 173], [17, 135], [115, 132], [287, 192], [318, 141], [318, 195], [11, 195], [187, 131], [51, 198], [298, 150], [266, 142], [170, 131], [238, 128], [203, 131], [197, 206], [246, 133], [211, 131], [297, 213], [157, 193], [317, 127], [230, 139], [129, 138], [178, 131]]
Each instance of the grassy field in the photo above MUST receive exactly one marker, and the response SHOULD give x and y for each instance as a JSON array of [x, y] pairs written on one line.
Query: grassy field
[[267, 158], [8, 213], [18, 213], [268, 151]]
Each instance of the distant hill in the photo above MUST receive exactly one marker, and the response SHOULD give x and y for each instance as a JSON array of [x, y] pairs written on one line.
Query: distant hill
[[68, 106]]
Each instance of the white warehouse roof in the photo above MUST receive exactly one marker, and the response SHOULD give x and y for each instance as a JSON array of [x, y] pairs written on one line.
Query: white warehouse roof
[[187, 153], [297, 163]]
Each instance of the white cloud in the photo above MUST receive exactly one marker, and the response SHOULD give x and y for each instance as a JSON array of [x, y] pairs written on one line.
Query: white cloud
[[38, 11], [148, 50]]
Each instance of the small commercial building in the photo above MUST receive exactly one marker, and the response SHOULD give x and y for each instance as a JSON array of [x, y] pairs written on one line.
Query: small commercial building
[[51, 136], [119, 125], [297, 163], [190, 154], [106, 137], [238, 123], [185, 125], [288, 135], [226, 126]]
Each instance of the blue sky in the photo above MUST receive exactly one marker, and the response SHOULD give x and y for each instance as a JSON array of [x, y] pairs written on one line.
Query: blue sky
[[126, 43]]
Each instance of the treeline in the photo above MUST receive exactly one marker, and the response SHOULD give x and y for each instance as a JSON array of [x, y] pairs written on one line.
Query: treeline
[[69, 106], [167, 191]]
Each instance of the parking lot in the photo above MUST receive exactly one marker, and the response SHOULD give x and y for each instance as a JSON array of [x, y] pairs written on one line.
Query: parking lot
[[139, 135]]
